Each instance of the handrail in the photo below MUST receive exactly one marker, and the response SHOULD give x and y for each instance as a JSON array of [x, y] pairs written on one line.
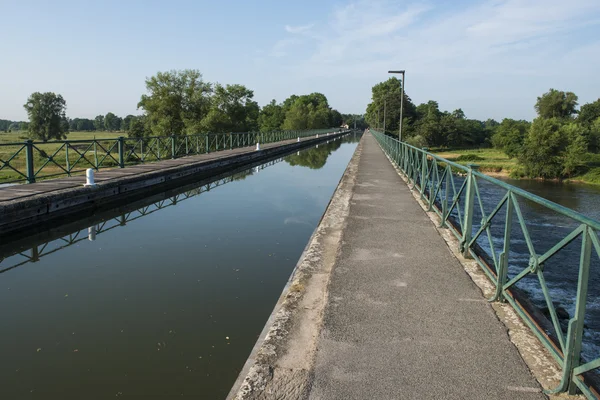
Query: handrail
[[30, 160], [457, 201]]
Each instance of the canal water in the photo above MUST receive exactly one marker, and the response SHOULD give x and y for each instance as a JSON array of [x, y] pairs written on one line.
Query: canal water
[[165, 298]]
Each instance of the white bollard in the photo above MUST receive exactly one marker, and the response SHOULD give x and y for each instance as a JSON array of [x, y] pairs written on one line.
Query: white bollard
[[317, 135], [298, 139], [89, 177], [298, 153], [317, 146], [257, 146], [92, 233], [327, 133]]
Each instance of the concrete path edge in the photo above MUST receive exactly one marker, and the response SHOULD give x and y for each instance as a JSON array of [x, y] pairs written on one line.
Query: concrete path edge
[[281, 361]]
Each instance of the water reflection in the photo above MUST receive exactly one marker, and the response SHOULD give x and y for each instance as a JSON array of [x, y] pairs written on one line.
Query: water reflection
[[31, 249], [316, 157], [169, 298]]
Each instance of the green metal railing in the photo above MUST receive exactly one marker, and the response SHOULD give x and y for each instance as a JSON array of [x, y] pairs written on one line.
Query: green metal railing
[[452, 191], [31, 161]]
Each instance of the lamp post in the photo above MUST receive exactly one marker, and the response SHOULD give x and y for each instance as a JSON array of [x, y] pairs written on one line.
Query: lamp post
[[384, 104], [403, 72]]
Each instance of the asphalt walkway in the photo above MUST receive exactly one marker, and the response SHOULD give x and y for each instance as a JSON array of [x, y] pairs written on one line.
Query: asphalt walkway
[[403, 319]]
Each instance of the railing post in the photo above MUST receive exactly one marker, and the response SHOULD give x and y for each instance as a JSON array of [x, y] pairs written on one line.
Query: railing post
[[580, 304], [230, 140], [469, 207], [173, 146], [424, 171], [121, 147], [207, 142], [503, 261], [30, 168]]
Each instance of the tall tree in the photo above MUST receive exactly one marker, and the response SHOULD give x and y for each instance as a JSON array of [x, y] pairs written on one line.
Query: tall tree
[[307, 112], [589, 113], [556, 104], [47, 116], [176, 102], [99, 122], [125, 123], [137, 127], [271, 117], [111, 122], [386, 97], [510, 135], [232, 109]]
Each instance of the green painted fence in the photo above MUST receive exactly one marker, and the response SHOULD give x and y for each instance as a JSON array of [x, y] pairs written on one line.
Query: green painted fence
[[31, 161], [450, 188]]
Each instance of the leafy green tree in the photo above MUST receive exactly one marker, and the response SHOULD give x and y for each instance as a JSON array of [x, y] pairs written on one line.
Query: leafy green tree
[[574, 158], [99, 122], [509, 136], [589, 113], [307, 112], [594, 136], [176, 102], [336, 119], [271, 117], [125, 123], [47, 116], [556, 104], [138, 128], [553, 148], [388, 94], [542, 148], [111, 122], [232, 109], [296, 118]]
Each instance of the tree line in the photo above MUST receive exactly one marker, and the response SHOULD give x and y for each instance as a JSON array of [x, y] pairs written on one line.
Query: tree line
[[182, 103], [12, 126], [558, 143]]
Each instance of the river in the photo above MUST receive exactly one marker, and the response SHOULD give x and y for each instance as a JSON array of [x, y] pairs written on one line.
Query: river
[[547, 228], [161, 298]]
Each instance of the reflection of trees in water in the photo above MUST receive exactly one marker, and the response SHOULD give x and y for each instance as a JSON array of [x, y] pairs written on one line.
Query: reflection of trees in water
[[314, 158]]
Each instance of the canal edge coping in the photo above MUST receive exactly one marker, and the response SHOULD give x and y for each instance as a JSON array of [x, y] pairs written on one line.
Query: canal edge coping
[[280, 362]]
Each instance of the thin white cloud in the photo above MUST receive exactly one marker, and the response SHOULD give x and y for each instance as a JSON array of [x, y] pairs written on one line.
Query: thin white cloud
[[496, 55], [298, 29]]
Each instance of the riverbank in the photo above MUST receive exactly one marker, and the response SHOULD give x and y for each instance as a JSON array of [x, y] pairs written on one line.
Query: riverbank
[[494, 162]]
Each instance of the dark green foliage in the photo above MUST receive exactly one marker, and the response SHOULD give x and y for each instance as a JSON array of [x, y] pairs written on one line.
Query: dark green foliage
[[176, 102], [556, 104], [47, 116], [138, 127], [307, 112], [509, 136], [589, 113], [271, 117], [387, 95], [99, 122], [231, 109], [7, 125], [553, 149]]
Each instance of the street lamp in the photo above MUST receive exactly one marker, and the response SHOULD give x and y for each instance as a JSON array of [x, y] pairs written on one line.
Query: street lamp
[[401, 98]]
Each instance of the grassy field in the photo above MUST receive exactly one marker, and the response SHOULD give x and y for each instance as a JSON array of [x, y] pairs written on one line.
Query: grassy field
[[495, 163], [490, 161], [11, 144]]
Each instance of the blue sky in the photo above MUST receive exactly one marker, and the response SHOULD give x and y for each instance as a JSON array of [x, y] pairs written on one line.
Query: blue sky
[[490, 58]]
